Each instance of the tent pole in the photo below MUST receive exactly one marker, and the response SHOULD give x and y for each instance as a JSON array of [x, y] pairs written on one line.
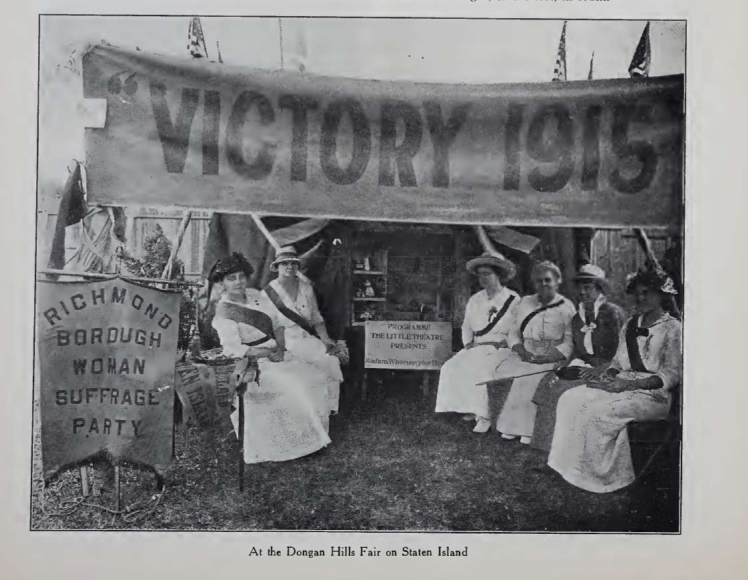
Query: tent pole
[[265, 232]]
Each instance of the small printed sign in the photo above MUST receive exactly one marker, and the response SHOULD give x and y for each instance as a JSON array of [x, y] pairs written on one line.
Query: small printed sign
[[412, 345]]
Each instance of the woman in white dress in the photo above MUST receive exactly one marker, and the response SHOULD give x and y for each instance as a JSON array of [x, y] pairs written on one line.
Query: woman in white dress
[[292, 296], [590, 446], [283, 418], [489, 316], [540, 340]]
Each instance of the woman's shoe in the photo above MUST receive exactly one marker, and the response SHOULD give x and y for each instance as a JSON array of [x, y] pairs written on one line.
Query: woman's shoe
[[508, 437], [482, 426], [525, 440]]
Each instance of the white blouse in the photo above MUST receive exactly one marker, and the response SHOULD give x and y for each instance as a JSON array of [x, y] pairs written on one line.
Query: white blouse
[[481, 309], [305, 303], [551, 327], [234, 336], [661, 352]]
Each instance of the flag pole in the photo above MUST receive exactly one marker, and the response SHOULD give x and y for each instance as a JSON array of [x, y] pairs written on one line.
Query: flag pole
[[501, 380]]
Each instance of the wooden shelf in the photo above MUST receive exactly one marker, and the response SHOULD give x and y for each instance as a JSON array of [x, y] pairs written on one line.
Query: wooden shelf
[[370, 272], [369, 299]]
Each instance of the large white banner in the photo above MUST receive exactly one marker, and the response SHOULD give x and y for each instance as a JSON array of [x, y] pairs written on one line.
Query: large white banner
[[205, 135]]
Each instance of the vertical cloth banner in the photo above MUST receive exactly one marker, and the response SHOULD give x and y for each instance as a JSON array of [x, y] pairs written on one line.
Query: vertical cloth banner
[[107, 352], [191, 133]]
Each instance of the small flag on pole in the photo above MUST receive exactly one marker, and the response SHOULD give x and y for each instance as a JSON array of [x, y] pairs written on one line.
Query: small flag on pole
[[639, 66], [559, 72], [196, 40], [592, 63]]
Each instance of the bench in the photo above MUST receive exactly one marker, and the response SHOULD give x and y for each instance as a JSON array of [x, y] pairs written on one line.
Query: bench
[[650, 440]]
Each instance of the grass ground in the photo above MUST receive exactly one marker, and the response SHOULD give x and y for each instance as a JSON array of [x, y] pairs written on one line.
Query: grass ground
[[393, 465]]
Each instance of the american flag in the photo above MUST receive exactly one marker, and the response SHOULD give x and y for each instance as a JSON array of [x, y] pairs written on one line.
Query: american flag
[[196, 40], [592, 63], [639, 66], [559, 72]]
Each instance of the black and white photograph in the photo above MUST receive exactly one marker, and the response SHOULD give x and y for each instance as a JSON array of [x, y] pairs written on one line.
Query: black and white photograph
[[350, 274]]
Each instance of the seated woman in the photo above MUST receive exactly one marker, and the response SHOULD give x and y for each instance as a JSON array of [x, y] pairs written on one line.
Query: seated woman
[[283, 419], [306, 334], [489, 316], [540, 340], [590, 447], [595, 328]]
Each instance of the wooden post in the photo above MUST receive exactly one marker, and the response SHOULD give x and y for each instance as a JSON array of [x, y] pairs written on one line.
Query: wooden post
[[98, 276], [117, 489], [174, 429], [84, 481], [241, 441]]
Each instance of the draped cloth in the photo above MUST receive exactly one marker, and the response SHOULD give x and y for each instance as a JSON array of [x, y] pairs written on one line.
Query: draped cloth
[[304, 345], [590, 447], [459, 377], [284, 417]]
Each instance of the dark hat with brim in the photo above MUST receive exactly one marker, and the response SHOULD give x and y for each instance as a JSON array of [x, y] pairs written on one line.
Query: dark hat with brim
[[592, 273], [285, 255], [657, 280], [236, 262], [492, 260]]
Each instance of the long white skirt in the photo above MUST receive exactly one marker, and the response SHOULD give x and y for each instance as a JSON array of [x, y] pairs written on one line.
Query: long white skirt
[[325, 368], [590, 446], [517, 416], [458, 389], [283, 417]]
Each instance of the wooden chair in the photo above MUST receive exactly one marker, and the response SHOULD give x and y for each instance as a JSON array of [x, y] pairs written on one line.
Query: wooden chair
[[650, 439]]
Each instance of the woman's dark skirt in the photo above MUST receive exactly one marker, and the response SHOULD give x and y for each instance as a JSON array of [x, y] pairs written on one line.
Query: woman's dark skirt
[[546, 398]]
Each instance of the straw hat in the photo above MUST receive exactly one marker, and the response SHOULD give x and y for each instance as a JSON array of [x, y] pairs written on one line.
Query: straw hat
[[285, 254], [492, 260], [592, 273]]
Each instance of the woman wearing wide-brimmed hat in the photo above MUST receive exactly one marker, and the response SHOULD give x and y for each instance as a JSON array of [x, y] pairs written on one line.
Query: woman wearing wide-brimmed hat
[[489, 317], [284, 419], [590, 447], [540, 341], [595, 329], [292, 294]]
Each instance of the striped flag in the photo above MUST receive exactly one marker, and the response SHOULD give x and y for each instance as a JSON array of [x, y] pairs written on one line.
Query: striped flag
[[559, 72], [196, 40], [639, 66], [592, 62]]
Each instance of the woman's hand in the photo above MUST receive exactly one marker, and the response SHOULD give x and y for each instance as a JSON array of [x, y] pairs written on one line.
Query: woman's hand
[[276, 354], [544, 359], [259, 352], [610, 384], [523, 353], [593, 374]]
